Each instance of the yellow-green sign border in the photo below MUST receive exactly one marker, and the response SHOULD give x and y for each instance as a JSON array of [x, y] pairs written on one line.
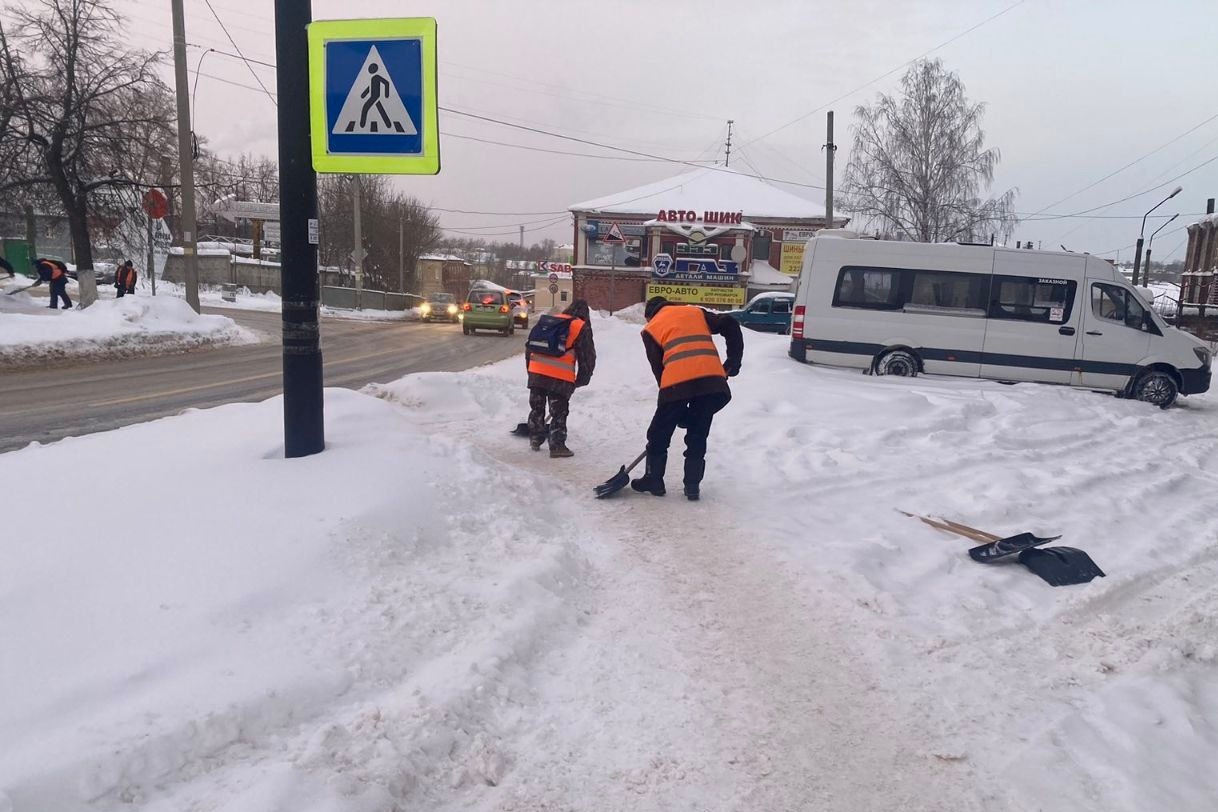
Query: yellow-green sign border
[[420, 28]]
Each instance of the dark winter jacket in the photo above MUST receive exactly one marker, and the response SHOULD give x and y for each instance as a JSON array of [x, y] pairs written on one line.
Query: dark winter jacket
[[585, 363], [717, 324], [8, 269], [49, 271]]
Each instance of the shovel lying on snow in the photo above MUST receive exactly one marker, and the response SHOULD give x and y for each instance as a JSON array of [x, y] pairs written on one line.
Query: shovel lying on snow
[[521, 430], [992, 547], [619, 480]]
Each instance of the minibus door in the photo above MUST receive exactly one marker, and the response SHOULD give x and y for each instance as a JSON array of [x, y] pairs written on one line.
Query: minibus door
[[1032, 330], [1116, 336]]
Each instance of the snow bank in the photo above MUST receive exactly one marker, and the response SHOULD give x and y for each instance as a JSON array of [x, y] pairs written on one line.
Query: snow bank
[[133, 325], [344, 631], [430, 616]]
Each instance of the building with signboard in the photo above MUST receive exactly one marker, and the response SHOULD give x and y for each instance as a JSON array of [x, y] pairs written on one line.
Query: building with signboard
[[698, 237]]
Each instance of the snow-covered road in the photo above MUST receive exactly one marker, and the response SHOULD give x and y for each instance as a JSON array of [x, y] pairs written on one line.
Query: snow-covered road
[[430, 616]]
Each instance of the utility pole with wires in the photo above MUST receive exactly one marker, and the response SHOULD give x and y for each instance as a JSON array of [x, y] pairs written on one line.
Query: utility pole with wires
[[829, 149], [727, 158], [190, 257], [522, 242]]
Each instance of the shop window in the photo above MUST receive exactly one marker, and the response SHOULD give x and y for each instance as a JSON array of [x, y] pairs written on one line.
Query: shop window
[[761, 247]]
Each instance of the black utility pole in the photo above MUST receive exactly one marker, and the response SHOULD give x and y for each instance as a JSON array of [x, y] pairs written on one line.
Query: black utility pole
[[303, 423]]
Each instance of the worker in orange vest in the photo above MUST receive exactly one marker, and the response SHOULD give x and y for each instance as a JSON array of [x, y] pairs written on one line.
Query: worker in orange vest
[[55, 272], [693, 385], [554, 378], [124, 279]]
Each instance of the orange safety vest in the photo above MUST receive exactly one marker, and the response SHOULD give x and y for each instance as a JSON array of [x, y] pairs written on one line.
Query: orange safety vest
[[562, 366], [689, 350]]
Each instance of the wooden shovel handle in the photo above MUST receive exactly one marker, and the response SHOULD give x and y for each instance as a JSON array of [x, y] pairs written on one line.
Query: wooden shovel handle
[[954, 528]]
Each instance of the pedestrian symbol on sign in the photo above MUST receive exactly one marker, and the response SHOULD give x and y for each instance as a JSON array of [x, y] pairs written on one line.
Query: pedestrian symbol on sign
[[373, 104]]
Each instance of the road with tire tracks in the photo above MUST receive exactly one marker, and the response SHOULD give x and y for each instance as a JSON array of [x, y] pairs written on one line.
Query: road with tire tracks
[[45, 405]]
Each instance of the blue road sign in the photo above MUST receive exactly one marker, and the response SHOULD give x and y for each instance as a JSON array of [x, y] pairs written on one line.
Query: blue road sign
[[373, 96], [661, 264]]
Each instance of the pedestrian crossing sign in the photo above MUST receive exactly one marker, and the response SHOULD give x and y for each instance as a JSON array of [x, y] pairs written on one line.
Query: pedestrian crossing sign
[[372, 96]]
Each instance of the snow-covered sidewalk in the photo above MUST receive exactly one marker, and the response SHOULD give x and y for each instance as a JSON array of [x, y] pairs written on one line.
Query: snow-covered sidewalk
[[31, 334], [430, 616]]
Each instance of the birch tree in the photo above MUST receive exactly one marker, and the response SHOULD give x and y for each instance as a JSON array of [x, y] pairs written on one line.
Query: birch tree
[[919, 167]]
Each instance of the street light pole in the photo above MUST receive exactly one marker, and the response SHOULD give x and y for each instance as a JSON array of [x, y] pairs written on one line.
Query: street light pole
[[1150, 243], [1137, 256]]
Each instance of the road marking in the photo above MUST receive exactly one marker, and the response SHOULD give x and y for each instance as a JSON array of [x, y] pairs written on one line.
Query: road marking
[[170, 392]]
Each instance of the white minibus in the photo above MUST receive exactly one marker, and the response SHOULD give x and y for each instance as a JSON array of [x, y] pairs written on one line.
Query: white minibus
[[900, 308]]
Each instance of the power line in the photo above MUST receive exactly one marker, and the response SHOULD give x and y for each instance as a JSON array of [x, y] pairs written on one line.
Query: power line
[[613, 148], [513, 232], [1131, 163], [552, 151], [885, 75], [253, 72]]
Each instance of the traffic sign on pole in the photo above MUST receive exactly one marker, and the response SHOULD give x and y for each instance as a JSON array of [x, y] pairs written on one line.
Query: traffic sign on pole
[[372, 86]]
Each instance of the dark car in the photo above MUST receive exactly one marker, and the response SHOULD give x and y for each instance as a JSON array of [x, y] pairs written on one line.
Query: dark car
[[440, 306], [767, 313]]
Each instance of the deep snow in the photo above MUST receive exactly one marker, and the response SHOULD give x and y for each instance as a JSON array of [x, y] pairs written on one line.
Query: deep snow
[[32, 334], [429, 616]]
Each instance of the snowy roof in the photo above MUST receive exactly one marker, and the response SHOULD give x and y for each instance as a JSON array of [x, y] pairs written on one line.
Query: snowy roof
[[763, 273], [445, 258], [709, 189]]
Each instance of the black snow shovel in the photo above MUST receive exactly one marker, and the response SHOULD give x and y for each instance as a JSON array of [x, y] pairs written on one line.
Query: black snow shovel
[[521, 430], [20, 290], [1061, 566], [619, 480]]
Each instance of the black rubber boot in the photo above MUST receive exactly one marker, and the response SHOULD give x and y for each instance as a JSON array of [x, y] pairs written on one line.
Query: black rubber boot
[[652, 481], [694, 469]]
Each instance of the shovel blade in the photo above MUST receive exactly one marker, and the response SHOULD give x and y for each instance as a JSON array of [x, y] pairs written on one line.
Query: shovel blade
[[521, 430], [614, 484], [1005, 548]]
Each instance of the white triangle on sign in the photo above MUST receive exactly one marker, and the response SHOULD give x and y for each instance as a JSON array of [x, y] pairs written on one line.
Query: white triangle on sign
[[374, 106], [615, 234]]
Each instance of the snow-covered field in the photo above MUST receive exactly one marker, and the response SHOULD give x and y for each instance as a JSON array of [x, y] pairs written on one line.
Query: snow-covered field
[[31, 334], [429, 616]]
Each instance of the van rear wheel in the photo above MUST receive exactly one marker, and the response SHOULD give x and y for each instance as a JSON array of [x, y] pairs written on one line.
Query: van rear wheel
[[901, 363], [1157, 387]]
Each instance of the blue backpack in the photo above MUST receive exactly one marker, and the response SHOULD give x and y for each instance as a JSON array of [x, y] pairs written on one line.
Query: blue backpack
[[549, 335]]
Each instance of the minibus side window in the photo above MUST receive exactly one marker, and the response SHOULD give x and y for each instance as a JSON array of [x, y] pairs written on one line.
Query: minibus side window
[[962, 291], [1027, 298], [873, 288]]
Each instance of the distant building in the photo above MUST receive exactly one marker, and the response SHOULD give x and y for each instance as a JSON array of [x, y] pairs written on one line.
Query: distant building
[[718, 234], [443, 273], [1197, 285]]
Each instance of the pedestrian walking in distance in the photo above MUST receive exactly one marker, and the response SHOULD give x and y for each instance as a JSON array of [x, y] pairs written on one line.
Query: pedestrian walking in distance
[[556, 372], [54, 271], [7, 268], [693, 385]]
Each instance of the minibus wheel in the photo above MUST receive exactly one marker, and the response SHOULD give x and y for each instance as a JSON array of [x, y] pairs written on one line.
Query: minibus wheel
[[1158, 387], [901, 363]]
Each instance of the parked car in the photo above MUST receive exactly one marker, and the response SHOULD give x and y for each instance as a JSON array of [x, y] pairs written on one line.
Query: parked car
[[520, 309], [767, 313], [900, 308], [440, 306], [486, 309]]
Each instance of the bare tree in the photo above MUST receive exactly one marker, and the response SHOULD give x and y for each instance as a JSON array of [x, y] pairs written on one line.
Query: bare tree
[[919, 165], [92, 115], [385, 215]]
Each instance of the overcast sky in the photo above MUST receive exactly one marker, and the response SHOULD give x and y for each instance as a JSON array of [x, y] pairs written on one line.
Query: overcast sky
[[1075, 90]]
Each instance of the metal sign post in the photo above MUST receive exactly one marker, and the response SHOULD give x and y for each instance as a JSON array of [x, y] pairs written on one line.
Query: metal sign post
[[303, 405]]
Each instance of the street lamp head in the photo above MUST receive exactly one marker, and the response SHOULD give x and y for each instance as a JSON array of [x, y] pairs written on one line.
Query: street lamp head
[[1175, 192]]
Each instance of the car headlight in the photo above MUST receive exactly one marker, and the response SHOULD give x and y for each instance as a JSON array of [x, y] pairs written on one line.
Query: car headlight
[[452, 309], [1203, 355], [426, 308]]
